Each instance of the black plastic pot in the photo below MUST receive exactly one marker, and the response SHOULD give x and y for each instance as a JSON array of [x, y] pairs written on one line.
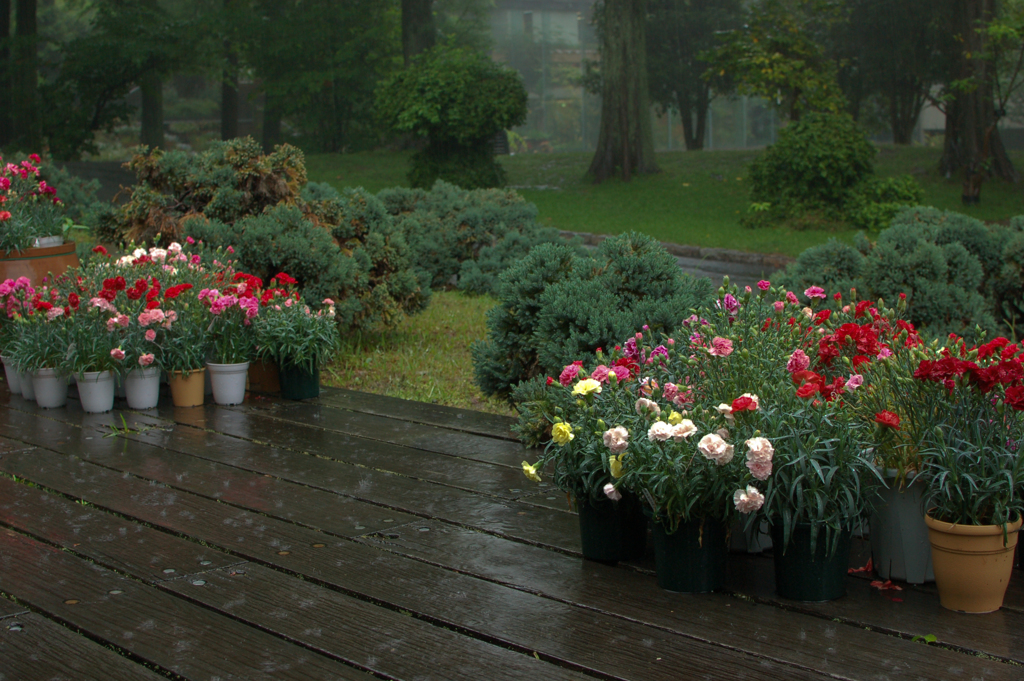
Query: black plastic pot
[[691, 559], [611, 531], [803, 575], [298, 383]]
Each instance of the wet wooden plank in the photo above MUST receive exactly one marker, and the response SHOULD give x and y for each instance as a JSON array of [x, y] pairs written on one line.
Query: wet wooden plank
[[492, 425], [116, 542], [381, 640], [7, 445], [577, 637], [907, 613], [464, 474], [398, 432], [255, 491], [401, 494], [40, 650], [374, 638], [157, 627], [804, 639]]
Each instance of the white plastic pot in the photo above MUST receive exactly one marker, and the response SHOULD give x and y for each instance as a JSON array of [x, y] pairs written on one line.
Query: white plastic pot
[[96, 391], [50, 388], [13, 377], [228, 382], [142, 388]]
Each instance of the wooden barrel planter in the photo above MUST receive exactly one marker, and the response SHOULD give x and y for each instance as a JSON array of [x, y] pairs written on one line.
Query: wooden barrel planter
[[36, 263]]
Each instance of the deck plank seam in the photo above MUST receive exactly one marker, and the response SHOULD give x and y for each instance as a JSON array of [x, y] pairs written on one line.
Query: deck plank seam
[[385, 441], [109, 645]]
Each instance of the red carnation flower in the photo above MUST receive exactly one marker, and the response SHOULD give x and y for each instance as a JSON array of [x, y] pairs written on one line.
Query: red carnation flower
[[100, 250], [550, 380], [743, 404], [175, 291], [888, 419], [1015, 397], [807, 390], [74, 300], [284, 279]]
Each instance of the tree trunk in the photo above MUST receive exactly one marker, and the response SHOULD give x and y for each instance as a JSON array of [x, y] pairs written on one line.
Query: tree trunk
[[418, 32], [151, 87], [694, 112], [626, 142], [24, 76], [229, 83], [905, 101], [5, 72], [972, 142], [272, 115], [229, 97]]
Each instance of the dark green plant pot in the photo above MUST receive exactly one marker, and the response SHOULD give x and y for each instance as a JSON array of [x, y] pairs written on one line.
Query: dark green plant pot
[[611, 531], [691, 559], [804, 576], [297, 383]]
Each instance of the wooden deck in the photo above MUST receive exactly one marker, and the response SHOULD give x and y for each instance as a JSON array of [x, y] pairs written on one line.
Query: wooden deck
[[360, 537]]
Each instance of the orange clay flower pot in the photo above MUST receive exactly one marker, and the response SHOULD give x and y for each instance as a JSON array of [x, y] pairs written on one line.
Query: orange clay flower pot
[[972, 565], [187, 391]]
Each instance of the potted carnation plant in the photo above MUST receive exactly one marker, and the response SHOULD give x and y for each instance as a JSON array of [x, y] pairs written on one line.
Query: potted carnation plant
[[15, 297], [232, 339], [299, 339], [32, 224], [40, 348], [93, 354], [805, 469], [587, 456], [973, 470]]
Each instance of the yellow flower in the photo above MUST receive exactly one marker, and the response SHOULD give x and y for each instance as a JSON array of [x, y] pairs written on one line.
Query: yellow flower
[[675, 418], [587, 386], [615, 463], [562, 433], [530, 472]]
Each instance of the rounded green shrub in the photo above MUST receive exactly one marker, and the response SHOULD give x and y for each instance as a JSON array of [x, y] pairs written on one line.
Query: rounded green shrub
[[457, 99], [556, 307]]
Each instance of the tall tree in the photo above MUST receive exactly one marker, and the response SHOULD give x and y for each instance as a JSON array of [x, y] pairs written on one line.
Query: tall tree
[[678, 32], [25, 75], [418, 31], [780, 54], [229, 78], [5, 71], [891, 51], [626, 142], [972, 142]]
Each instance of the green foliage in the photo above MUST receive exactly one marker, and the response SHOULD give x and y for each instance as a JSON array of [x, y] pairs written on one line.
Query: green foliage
[[958, 273], [822, 167], [291, 334], [465, 236], [79, 196], [458, 100], [816, 162], [779, 54], [556, 307], [343, 247]]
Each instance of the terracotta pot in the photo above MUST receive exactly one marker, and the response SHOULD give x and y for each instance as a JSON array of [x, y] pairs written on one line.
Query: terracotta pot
[[972, 564], [36, 263], [187, 391], [264, 377]]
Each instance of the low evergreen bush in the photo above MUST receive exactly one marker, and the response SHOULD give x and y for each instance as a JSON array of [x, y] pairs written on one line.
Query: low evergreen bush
[[555, 306], [959, 274]]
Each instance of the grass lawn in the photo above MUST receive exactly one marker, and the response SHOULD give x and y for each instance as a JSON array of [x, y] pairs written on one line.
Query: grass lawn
[[427, 358], [698, 199]]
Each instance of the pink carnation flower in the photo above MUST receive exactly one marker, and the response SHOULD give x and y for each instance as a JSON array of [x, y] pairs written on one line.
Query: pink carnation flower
[[798, 361], [600, 374], [815, 292], [791, 297], [117, 353], [855, 381], [151, 335], [764, 285], [612, 493], [146, 360], [568, 374], [720, 347]]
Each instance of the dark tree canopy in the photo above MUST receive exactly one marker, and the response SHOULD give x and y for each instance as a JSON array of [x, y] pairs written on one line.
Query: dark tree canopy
[[626, 143], [678, 32]]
